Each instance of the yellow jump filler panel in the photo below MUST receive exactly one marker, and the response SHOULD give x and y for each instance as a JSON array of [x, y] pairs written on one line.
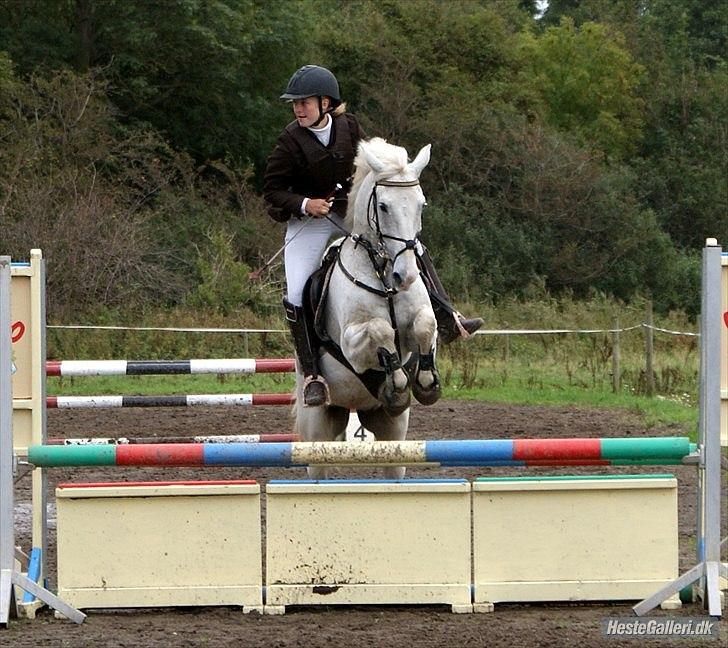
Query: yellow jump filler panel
[[151, 544], [573, 538], [368, 542]]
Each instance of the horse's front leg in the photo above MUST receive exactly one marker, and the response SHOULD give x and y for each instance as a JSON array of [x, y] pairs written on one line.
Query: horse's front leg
[[370, 345], [426, 385]]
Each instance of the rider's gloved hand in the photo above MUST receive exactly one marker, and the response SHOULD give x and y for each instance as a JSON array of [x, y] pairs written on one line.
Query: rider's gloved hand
[[318, 207]]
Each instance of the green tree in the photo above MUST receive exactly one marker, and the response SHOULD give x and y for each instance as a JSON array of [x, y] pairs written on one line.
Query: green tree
[[684, 156], [518, 190], [588, 84], [397, 58], [681, 161], [7, 83], [204, 72], [119, 214], [583, 150], [695, 28]]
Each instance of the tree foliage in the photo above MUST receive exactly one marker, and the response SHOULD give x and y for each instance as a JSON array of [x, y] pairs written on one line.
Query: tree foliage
[[680, 163], [577, 151], [588, 84], [202, 72], [123, 218]]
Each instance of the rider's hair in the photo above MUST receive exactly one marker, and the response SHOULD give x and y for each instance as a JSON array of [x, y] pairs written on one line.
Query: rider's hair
[[339, 110]]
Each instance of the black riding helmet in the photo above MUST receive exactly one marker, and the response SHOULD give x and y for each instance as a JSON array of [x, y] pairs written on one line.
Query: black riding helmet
[[313, 81]]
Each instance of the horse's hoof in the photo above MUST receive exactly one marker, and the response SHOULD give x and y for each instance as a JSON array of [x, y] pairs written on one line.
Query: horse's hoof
[[394, 403], [315, 393], [426, 395]]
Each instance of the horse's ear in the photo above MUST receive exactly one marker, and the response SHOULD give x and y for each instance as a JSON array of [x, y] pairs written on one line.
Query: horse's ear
[[420, 162], [375, 164]]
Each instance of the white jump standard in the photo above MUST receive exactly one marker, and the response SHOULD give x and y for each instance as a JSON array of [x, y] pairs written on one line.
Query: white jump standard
[[10, 577]]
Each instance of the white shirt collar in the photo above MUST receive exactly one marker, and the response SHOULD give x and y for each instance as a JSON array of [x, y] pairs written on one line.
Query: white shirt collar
[[323, 134]]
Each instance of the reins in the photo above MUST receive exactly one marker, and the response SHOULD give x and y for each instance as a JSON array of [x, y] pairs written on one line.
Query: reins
[[378, 255]]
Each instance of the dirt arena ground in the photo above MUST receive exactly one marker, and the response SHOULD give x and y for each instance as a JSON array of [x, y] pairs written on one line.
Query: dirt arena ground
[[335, 627]]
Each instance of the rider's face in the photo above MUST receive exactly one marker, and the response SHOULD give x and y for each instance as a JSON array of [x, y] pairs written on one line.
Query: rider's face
[[307, 110]]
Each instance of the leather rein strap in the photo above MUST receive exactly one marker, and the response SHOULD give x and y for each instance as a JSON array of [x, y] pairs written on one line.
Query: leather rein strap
[[378, 255]]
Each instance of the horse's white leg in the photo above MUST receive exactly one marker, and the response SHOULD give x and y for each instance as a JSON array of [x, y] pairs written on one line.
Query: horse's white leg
[[426, 385], [361, 344], [387, 428], [320, 424]]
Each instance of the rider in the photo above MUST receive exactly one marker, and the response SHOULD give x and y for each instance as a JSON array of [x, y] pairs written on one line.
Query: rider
[[306, 182]]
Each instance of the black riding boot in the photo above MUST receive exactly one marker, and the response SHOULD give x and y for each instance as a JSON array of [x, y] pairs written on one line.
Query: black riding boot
[[315, 389], [450, 324]]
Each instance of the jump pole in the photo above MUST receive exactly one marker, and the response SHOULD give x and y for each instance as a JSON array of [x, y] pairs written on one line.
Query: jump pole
[[10, 577], [186, 400], [168, 367], [519, 452], [210, 438]]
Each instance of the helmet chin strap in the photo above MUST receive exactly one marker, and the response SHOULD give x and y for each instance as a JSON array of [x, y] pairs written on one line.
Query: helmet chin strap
[[322, 113]]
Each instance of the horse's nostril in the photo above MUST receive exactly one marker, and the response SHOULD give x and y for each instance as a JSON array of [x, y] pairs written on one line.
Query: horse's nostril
[[403, 281]]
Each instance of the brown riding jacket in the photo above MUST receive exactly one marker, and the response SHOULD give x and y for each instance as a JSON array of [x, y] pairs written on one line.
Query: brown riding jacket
[[300, 166]]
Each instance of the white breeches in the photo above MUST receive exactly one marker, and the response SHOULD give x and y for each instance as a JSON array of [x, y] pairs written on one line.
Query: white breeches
[[306, 240]]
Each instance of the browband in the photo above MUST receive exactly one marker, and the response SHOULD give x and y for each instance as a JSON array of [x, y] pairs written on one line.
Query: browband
[[395, 183]]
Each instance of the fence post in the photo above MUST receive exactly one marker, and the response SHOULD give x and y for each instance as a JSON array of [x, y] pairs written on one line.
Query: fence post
[[615, 358], [649, 348]]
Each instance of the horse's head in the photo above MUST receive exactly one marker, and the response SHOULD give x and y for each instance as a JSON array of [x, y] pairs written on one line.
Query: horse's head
[[386, 204]]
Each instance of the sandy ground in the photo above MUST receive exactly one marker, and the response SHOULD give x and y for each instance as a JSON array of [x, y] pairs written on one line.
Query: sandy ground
[[333, 627]]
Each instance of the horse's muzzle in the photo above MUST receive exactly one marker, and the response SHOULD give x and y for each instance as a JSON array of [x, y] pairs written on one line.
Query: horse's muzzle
[[403, 283]]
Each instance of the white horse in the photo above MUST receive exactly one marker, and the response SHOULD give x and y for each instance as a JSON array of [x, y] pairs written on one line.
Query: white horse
[[377, 315]]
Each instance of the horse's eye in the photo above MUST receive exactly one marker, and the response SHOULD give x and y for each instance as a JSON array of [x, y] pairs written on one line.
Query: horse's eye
[[383, 207]]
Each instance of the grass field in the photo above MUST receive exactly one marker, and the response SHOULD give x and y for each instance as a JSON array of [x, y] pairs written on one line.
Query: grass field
[[573, 369], [516, 383]]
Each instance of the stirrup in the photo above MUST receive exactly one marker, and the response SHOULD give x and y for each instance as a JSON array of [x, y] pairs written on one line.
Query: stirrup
[[315, 392]]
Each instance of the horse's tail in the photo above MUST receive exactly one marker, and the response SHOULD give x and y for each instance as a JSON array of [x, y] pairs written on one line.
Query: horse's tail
[[294, 406]]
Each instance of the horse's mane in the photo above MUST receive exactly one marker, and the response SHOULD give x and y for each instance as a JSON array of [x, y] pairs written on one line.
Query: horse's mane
[[393, 157]]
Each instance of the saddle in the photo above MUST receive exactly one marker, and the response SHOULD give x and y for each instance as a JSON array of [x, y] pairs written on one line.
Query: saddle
[[315, 294]]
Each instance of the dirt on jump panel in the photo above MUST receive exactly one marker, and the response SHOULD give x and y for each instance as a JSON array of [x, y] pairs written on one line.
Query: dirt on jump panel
[[563, 624]]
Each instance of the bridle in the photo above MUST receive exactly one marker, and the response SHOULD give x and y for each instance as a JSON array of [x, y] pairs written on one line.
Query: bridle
[[378, 253], [373, 215]]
